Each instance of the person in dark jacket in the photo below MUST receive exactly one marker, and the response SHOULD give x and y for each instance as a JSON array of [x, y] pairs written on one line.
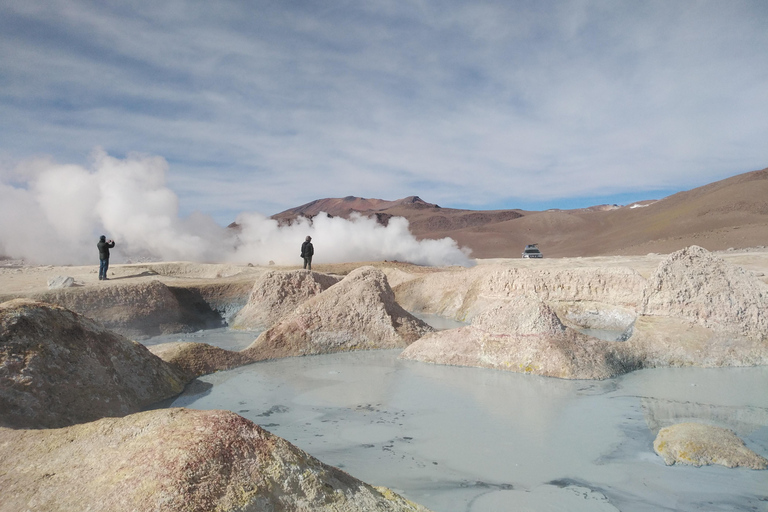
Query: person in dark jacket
[[104, 246], [307, 251]]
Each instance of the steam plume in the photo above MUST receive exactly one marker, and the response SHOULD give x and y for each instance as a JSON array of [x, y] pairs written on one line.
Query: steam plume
[[53, 214]]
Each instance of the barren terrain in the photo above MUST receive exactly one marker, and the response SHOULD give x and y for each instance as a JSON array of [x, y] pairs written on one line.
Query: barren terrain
[[18, 280], [731, 213]]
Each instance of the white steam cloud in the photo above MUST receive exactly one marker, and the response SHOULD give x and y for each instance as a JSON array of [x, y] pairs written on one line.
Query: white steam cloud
[[54, 214]]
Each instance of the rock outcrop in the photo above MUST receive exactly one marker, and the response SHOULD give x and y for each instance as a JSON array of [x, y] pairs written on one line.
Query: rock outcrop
[[696, 310], [138, 310], [696, 444], [696, 285], [58, 368], [276, 294], [463, 294], [194, 360], [661, 341], [522, 335], [358, 313], [175, 460]]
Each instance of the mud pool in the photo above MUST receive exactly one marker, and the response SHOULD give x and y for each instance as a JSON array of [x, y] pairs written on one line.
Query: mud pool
[[466, 439]]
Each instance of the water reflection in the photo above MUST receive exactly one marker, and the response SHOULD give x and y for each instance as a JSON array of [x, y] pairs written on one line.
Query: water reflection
[[226, 338], [742, 420], [468, 439], [440, 323]]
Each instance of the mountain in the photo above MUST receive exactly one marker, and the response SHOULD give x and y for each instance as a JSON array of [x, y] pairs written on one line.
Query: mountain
[[728, 213]]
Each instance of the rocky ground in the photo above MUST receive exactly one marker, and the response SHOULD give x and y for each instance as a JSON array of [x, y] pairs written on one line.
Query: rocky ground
[[68, 357], [175, 460]]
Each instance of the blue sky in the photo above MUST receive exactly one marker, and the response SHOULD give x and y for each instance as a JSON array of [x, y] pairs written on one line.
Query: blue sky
[[265, 105]]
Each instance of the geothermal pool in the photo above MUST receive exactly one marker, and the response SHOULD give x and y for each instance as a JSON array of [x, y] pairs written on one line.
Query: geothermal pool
[[466, 439]]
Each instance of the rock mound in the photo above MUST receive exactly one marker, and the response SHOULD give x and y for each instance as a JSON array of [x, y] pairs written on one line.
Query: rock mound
[[696, 285], [276, 294], [137, 310], [58, 368], [175, 460], [196, 359], [696, 444], [522, 335], [662, 341], [358, 313], [523, 315]]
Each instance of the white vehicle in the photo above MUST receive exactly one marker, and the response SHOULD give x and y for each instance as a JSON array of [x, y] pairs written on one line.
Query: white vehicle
[[531, 251]]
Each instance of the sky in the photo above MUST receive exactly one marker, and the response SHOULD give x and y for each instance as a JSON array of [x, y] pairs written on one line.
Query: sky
[[228, 108]]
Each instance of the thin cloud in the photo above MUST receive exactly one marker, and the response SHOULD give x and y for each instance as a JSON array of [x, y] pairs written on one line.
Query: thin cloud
[[482, 103]]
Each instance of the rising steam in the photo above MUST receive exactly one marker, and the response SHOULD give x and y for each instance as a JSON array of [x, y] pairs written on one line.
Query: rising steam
[[53, 214]]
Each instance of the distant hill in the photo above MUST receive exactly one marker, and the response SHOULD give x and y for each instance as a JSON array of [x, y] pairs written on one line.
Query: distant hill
[[728, 213]]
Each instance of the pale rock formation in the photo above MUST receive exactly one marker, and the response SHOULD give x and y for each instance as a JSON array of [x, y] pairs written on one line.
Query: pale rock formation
[[463, 294], [196, 359], [396, 276], [442, 293], [696, 444], [138, 310], [358, 313], [696, 285], [596, 315], [523, 335], [696, 310], [661, 341], [175, 460], [618, 285], [57, 282], [276, 294], [58, 368]]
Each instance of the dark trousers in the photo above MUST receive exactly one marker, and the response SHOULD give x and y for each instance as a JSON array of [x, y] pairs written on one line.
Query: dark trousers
[[103, 266], [308, 262]]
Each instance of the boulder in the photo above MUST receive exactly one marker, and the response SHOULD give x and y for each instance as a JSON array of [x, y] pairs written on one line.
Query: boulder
[[175, 460], [58, 368], [696, 444], [696, 285], [276, 294], [524, 335], [57, 282], [358, 313]]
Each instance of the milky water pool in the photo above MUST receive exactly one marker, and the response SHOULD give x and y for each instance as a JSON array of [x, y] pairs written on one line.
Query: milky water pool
[[469, 439]]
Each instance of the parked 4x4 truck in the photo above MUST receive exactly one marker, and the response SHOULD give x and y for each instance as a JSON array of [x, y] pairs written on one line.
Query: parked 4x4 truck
[[531, 251]]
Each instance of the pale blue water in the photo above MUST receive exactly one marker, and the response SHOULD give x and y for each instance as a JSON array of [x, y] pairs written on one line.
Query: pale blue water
[[226, 338], [468, 439]]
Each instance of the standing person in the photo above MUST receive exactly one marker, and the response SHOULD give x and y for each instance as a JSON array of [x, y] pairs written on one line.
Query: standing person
[[104, 246], [307, 251]]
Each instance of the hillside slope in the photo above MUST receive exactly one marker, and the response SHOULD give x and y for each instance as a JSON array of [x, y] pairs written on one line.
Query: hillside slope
[[727, 213]]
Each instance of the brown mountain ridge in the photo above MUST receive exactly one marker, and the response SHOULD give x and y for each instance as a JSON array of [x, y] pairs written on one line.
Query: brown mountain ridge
[[731, 213]]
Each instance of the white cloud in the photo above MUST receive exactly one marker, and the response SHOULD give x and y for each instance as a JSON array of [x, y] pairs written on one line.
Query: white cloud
[[264, 106]]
